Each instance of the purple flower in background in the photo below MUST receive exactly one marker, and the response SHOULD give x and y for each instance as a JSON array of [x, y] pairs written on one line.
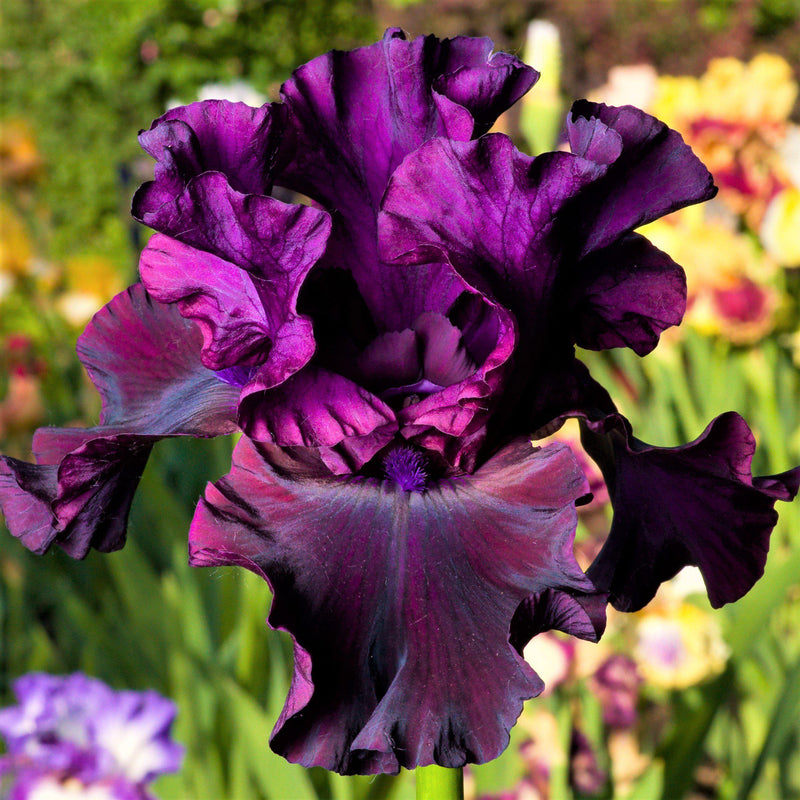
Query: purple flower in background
[[616, 684], [73, 736], [389, 350]]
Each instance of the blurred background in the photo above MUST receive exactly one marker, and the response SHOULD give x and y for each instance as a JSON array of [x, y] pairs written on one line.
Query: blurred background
[[676, 701]]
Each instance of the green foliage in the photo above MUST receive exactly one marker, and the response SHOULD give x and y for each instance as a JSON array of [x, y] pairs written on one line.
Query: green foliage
[[87, 76]]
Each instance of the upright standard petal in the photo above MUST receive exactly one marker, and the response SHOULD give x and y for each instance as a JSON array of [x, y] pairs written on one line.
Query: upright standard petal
[[211, 136], [144, 359], [354, 116], [400, 602], [650, 172], [693, 505], [357, 114]]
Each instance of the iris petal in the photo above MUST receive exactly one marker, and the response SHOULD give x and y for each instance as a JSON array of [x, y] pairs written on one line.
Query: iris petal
[[211, 136], [400, 603], [355, 116], [692, 505], [144, 359], [626, 295], [654, 173], [318, 409]]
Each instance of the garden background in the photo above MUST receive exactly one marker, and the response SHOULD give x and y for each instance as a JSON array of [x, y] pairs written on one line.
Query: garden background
[[677, 701]]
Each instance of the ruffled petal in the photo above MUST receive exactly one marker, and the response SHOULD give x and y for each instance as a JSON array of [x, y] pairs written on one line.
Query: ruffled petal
[[357, 114], [272, 240], [246, 319], [211, 136], [354, 116], [144, 359], [81, 502], [400, 603], [650, 172], [344, 423], [693, 505], [581, 615], [490, 210], [626, 295]]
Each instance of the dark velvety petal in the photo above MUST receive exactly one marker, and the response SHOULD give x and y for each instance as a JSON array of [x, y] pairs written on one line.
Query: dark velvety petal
[[25, 494], [354, 117], [483, 83], [655, 172], [246, 319], [489, 209], [400, 603], [344, 423], [144, 359], [692, 505], [626, 295], [357, 114], [79, 500], [581, 615], [211, 136]]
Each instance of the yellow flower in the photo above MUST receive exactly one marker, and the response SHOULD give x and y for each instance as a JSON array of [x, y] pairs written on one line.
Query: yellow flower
[[678, 647], [19, 158], [780, 230], [728, 277], [15, 248], [91, 281]]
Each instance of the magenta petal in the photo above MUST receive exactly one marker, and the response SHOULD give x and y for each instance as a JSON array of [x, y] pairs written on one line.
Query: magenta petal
[[79, 503], [26, 491], [144, 359], [581, 615], [343, 422], [626, 295], [400, 603], [246, 319], [268, 238], [212, 136], [357, 114], [692, 505], [654, 173]]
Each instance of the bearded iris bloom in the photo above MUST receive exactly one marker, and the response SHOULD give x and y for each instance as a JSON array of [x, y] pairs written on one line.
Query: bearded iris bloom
[[74, 737], [388, 350]]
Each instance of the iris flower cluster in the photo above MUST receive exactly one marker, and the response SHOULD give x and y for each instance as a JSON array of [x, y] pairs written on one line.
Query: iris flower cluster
[[73, 737], [389, 348]]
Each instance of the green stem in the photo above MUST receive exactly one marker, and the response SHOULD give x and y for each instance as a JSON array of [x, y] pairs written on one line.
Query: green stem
[[440, 783]]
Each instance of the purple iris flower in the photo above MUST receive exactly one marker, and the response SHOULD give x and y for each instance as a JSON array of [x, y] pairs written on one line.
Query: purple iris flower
[[389, 348], [73, 736]]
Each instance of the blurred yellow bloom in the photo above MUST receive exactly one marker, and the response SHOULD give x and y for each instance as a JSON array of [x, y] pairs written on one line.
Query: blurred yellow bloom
[[19, 158], [728, 277], [676, 647], [90, 282], [780, 230], [735, 117], [759, 92], [15, 247]]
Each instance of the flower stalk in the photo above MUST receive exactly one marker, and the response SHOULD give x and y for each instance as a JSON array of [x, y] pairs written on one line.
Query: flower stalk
[[440, 783]]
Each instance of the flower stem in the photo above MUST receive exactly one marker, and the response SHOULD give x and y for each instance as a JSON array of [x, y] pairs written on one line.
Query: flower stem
[[440, 783]]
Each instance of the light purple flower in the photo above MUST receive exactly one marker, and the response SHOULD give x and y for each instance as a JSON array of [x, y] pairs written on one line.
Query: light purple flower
[[72, 733], [389, 349]]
